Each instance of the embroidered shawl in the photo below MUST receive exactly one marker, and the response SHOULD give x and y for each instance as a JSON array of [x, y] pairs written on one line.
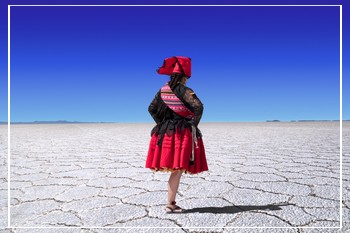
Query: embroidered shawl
[[174, 103]]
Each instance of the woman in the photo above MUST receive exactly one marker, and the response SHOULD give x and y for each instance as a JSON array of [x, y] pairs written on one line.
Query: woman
[[176, 142]]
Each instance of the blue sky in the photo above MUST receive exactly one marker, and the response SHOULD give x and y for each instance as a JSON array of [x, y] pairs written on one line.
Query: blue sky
[[249, 63]]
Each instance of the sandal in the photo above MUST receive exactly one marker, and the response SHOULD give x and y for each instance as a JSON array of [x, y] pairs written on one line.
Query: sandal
[[177, 209]]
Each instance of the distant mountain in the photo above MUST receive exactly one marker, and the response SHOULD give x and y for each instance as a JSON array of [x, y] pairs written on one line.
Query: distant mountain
[[52, 122], [305, 120], [317, 120]]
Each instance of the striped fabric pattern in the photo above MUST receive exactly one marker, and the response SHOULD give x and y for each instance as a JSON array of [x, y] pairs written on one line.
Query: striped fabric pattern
[[174, 103]]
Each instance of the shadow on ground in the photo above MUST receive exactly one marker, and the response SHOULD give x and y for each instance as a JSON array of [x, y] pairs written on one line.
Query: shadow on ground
[[235, 209]]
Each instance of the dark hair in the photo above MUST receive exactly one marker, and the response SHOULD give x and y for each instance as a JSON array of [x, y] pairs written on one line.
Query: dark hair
[[175, 78]]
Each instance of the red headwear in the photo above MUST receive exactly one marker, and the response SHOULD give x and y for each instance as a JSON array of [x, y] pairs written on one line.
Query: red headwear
[[176, 64]]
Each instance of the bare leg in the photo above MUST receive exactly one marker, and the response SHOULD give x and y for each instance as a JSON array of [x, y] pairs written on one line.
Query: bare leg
[[173, 185]]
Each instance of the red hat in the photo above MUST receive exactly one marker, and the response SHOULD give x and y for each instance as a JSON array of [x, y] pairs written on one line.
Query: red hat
[[176, 64]]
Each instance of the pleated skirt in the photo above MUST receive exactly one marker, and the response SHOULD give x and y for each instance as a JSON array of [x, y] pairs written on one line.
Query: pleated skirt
[[175, 153]]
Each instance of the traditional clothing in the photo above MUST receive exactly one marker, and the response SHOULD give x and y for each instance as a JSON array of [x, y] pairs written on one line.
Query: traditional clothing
[[176, 142]]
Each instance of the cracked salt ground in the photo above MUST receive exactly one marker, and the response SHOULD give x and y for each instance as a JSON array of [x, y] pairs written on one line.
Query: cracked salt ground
[[260, 174]]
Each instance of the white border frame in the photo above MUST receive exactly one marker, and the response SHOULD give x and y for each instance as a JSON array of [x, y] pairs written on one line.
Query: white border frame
[[93, 227]]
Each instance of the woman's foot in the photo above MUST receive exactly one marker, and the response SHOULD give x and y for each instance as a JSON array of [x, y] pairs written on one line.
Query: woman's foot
[[172, 208]]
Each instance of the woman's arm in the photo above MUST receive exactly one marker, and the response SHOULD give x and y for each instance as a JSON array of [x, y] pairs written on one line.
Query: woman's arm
[[194, 102], [153, 108]]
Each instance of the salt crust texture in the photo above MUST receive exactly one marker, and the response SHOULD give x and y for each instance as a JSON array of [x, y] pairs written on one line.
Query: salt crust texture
[[273, 174]]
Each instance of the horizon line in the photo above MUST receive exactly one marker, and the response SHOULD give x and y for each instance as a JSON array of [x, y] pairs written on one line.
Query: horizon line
[[140, 122]]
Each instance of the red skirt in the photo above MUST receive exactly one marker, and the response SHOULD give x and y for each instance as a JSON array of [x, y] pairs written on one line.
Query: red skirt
[[175, 153]]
